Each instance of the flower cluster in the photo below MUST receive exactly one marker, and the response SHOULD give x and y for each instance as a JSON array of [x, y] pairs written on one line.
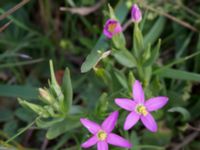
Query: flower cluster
[[102, 135], [112, 27], [139, 109]]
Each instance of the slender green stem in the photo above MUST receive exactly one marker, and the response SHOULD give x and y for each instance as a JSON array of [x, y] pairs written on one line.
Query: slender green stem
[[13, 64], [140, 71], [151, 146], [20, 132]]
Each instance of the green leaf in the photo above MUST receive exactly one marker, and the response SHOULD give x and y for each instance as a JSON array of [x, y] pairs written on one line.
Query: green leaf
[[197, 58], [102, 105], [181, 60], [154, 55], [121, 12], [36, 108], [67, 90], [25, 115], [121, 78], [54, 84], [131, 79], [62, 127], [125, 58], [53, 78], [26, 92], [179, 74], [184, 46], [46, 123], [138, 44], [155, 31], [184, 112], [111, 12], [101, 72], [76, 109], [119, 41], [134, 140]]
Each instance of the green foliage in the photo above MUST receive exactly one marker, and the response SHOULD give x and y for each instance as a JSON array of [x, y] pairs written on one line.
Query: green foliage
[[56, 114], [52, 111]]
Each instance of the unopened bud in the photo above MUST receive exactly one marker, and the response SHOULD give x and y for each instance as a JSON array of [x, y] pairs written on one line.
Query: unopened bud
[[136, 14], [45, 95]]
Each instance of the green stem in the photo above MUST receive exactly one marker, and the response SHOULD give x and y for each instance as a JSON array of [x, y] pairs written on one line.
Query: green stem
[[151, 146], [140, 71], [14, 64], [20, 132]]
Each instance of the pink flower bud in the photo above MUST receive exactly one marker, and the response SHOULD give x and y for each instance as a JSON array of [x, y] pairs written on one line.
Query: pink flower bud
[[136, 14], [111, 28]]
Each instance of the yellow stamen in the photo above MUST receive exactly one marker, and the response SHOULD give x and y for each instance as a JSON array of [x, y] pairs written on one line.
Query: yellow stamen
[[102, 135], [142, 110], [111, 27]]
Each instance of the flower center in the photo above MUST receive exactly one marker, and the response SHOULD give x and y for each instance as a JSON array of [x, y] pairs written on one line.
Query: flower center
[[141, 109], [102, 135], [111, 27]]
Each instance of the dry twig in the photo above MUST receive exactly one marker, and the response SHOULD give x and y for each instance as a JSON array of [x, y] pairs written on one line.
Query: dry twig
[[13, 9], [186, 140], [5, 26], [83, 11], [181, 22]]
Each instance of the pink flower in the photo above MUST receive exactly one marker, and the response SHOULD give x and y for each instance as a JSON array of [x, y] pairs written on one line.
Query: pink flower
[[140, 109], [111, 28], [102, 135], [136, 14]]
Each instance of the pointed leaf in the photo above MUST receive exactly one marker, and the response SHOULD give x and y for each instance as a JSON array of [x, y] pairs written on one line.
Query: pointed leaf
[[67, 90], [138, 44], [184, 112], [155, 31], [36, 108], [62, 127], [154, 55], [179, 74], [125, 58]]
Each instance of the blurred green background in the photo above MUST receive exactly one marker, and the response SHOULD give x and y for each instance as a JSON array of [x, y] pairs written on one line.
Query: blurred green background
[[40, 31]]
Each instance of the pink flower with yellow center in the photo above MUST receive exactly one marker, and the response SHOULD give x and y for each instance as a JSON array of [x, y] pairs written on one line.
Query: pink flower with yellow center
[[140, 109], [102, 135], [111, 28]]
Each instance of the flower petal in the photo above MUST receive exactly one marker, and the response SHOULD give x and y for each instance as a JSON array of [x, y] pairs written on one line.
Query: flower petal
[[107, 34], [102, 145], [131, 120], [109, 123], [138, 93], [125, 103], [149, 122], [117, 140], [90, 125], [156, 103], [118, 28], [90, 142]]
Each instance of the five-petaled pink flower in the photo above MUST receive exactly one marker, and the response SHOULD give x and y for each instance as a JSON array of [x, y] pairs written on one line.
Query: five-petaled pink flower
[[102, 135], [140, 109], [136, 14], [111, 28]]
